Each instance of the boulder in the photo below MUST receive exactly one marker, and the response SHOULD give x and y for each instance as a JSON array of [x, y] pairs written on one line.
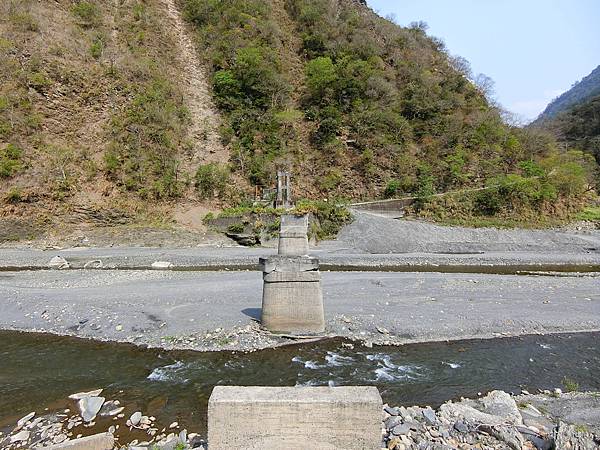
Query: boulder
[[89, 407], [501, 404]]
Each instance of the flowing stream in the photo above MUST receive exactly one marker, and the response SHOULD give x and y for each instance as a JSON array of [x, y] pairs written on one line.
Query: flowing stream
[[39, 371]]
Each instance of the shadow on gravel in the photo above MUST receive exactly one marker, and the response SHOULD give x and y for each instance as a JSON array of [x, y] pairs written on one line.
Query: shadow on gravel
[[253, 313]]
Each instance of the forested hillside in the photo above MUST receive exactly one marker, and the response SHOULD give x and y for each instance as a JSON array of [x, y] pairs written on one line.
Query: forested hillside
[[579, 127], [133, 111], [361, 108], [581, 92]]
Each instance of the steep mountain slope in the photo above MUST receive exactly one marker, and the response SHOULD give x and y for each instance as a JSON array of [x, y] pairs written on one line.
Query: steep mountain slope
[[579, 127], [148, 112], [581, 92], [358, 107], [103, 106]]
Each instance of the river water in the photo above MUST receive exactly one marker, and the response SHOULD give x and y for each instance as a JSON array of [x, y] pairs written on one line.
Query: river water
[[38, 371]]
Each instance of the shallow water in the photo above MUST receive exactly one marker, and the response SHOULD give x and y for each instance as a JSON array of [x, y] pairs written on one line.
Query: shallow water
[[38, 371]]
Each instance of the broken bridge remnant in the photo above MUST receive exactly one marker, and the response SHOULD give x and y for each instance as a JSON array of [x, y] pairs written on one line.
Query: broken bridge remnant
[[294, 418], [292, 295]]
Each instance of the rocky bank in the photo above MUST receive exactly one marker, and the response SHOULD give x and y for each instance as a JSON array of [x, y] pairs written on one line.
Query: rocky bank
[[498, 420]]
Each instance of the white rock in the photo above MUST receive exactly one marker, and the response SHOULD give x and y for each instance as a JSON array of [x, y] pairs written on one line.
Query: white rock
[[25, 419], [135, 418], [89, 407], [162, 265], [20, 436], [174, 425], [81, 395], [96, 264], [58, 262]]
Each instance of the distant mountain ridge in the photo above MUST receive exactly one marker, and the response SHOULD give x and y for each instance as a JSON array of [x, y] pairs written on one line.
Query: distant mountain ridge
[[581, 92]]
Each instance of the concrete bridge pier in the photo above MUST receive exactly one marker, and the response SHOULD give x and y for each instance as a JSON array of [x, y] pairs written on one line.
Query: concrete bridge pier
[[292, 295]]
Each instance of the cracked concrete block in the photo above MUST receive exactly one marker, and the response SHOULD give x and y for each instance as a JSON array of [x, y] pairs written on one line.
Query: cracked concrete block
[[294, 418], [288, 264], [102, 441], [293, 235], [294, 307]]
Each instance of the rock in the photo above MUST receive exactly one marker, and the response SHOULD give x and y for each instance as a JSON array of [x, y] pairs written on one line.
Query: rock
[[429, 416], [19, 437], [21, 422], [111, 408], [393, 443], [119, 328], [461, 427], [506, 434], [245, 239], [59, 438], [402, 428], [392, 421], [95, 264], [392, 411], [135, 418], [567, 437], [540, 442], [501, 404], [162, 265], [452, 411], [58, 262], [81, 395], [89, 407], [174, 425], [183, 436]]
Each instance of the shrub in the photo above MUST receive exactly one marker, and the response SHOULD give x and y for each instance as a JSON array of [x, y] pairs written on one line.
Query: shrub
[[14, 195], [38, 80], [97, 47], [331, 216], [320, 78], [142, 156], [87, 13], [570, 385], [211, 180], [236, 228], [10, 161], [25, 21], [391, 189]]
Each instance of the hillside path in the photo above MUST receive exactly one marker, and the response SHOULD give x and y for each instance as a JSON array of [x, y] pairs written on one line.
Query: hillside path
[[204, 115]]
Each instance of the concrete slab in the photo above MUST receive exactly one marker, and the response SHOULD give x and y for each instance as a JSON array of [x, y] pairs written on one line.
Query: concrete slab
[[102, 441], [293, 307], [294, 418], [288, 264], [293, 277]]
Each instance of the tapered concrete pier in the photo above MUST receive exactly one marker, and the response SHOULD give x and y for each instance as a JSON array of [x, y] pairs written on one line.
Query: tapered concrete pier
[[292, 296]]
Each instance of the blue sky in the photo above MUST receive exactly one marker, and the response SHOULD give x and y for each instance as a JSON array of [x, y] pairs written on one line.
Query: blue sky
[[533, 49]]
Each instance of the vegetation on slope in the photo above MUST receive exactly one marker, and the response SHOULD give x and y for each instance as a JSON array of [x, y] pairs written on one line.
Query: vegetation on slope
[[358, 107], [91, 110], [93, 113], [579, 127]]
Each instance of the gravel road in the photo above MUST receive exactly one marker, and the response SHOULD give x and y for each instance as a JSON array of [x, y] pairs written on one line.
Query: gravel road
[[216, 310], [369, 243]]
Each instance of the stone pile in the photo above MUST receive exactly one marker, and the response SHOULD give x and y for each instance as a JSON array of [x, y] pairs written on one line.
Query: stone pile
[[65, 429], [493, 422]]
